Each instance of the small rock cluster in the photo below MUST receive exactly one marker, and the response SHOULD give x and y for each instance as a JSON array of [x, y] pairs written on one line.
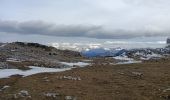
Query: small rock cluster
[[3, 65], [4, 87], [52, 94], [69, 78], [45, 79], [137, 74], [167, 90], [22, 94], [70, 98], [58, 96], [166, 93]]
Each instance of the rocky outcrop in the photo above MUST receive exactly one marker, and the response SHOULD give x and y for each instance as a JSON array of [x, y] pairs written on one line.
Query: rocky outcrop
[[168, 41], [21, 54]]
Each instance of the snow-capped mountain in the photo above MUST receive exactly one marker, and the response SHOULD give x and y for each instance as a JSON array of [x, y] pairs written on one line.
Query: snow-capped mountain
[[143, 53], [103, 52]]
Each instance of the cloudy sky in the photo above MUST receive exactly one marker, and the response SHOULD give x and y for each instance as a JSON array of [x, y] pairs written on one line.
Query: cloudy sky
[[86, 18]]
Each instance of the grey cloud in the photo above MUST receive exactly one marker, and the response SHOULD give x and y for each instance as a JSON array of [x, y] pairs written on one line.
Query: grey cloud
[[91, 31]]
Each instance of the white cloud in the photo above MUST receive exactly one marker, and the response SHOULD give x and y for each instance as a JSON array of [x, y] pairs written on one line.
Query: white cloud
[[86, 18]]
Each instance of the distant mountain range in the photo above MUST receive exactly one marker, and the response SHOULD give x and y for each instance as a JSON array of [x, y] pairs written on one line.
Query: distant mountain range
[[143, 53], [102, 52]]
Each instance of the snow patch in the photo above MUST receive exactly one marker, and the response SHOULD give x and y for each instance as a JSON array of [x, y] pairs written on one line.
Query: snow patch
[[125, 60], [2, 45], [81, 64], [122, 58], [148, 56], [6, 73], [128, 62]]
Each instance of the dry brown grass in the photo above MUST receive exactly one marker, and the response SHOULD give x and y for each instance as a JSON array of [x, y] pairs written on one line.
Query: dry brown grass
[[100, 82]]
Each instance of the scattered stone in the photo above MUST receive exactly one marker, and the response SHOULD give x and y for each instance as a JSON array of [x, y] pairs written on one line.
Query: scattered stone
[[52, 95], [137, 74], [79, 79], [36, 64], [166, 90], [13, 50], [3, 65], [45, 79], [4, 87], [121, 73], [70, 98], [22, 94], [13, 60], [69, 78]]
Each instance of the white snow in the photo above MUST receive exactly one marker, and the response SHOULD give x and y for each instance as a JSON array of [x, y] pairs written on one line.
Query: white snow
[[122, 58], [6, 73], [128, 62], [125, 60], [148, 56], [2, 45], [81, 64]]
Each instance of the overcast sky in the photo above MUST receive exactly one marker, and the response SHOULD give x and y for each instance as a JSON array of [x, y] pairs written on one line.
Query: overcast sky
[[86, 18]]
